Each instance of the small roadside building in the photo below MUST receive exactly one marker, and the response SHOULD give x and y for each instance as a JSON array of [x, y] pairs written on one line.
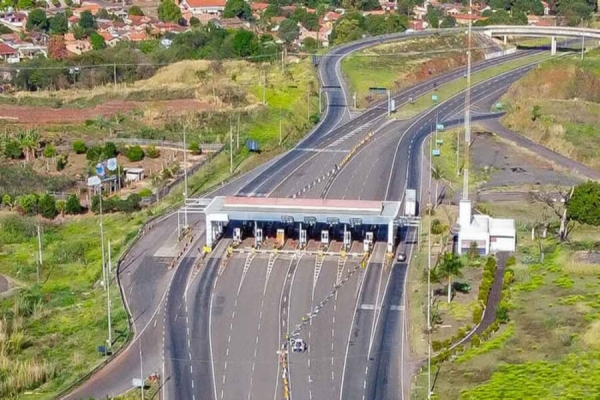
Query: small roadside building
[[490, 234], [133, 174]]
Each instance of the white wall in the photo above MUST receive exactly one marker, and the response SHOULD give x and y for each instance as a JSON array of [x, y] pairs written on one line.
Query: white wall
[[500, 243]]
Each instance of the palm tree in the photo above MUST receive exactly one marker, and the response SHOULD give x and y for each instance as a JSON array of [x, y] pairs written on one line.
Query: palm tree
[[30, 140], [438, 175], [450, 266]]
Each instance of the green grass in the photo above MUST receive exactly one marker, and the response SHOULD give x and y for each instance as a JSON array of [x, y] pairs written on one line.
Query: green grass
[[392, 65], [451, 89], [64, 318], [17, 180], [548, 350]]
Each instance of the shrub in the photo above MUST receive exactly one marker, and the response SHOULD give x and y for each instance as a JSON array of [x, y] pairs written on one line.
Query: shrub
[[502, 313], [195, 148], [509, 277], [79, 147], [477, 314], [7, 200], [27, 204], [436, 227], [13, 149], [73, 206], [47, 206], [49, 151], [110, 150], [436, 345], [94, 153], [61, 162], [511, 261], [145, 192], [475, 340], [135, 153], [152, 152], [61, 206]]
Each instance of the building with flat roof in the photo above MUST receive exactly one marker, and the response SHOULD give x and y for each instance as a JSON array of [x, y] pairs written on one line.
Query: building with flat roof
[[490, 234]]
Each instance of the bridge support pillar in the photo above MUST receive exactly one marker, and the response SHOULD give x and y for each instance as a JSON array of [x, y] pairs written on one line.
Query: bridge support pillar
[[553, 46], [209, 231], [390, 237]]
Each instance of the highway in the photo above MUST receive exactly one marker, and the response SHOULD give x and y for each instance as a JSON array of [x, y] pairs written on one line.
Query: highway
[[220, 327]]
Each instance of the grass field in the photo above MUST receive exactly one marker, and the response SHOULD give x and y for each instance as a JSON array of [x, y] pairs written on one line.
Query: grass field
[[51, 330], [451, 89], [549, 350], [557, 106], [398, 65]]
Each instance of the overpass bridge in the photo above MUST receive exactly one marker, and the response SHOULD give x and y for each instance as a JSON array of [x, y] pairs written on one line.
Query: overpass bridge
[[541, 31]]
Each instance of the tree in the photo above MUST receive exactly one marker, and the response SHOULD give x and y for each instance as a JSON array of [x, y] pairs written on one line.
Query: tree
[[87, 21], [448, 22], [536, 112], [49, 151], [289, 30], [97, 41], [558, 207], [27, 204], [61, 206], [73, 206], [37, 21], [152, 152], [346, 30], [30, 140], [47, 206], [584, 204], [433, 17], [244, 43], [310, 44], [102, 14], [79, 147], [194, 21], [237, 8], [135, 153], [450, 266], [438, 175], [168, 11], [405, 7], [7, 201], [57, 48], [13, 149], [110, 150], [194, 147], [136, 11], [59, 24], [25, 4]]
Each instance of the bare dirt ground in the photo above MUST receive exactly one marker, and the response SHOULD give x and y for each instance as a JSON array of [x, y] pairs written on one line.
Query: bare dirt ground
[[49, 115]]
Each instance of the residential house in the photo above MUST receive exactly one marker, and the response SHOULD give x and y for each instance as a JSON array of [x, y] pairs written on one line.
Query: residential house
[[14, 20], [77, 46], [420, 11], [331, 16], [374, 12], [532, 19], [546, 8], [91, 7], [416, 24], [197, 7], [73, 20], [232, 23], [136, 36], [388, 5], [463, 19], [8, 54], [450, 8]]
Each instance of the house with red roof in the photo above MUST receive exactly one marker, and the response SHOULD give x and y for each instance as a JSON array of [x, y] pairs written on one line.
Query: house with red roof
[[197, 7], [8, 54]]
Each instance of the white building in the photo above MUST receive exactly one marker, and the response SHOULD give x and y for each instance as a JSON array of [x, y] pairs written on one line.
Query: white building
[[490, 234]]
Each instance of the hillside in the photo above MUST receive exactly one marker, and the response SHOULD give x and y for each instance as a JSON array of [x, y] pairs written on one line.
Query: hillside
[[557, 105]]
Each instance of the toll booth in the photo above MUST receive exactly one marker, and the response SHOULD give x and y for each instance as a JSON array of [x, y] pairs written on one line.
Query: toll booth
[[237, 235], [325, 237], [368, 242], [347, 240], [303, 240], [258, 237], [280, 237]]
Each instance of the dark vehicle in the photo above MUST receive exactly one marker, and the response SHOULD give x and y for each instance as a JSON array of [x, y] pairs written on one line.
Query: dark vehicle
[[461, 287], [299, 346]]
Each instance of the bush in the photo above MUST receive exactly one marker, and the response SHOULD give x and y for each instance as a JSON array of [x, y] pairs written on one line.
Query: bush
[[152, 152], [73, 206], [195, 148], [61, 162], [110, 150], [47, 206], [7, 200], [27, 204], [475, 340], [13, 149], [436, 345], [135, 153], [477, 314], [145, 192], [502, 313], [509, 277], [79, 147], [436, 227], [94, 153], [49, 151]]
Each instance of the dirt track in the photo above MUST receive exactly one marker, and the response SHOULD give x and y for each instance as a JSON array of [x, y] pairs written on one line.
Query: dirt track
[[48, 115]]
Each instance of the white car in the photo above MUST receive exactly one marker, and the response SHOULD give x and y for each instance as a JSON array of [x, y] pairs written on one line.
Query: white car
[[298, 346], [401, 257]]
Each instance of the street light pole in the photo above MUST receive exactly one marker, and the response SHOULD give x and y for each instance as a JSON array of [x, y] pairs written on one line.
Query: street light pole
[[230, 149], [39, 263], [102, 237], [141, 368], [185, 179], [429, 277], [108, 302]]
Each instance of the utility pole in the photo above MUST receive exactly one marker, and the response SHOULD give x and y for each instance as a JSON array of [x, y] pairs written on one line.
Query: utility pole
[[354, 98], [230, 148], [185, 178], [238, 133], [102, 237], [320, 106], [389, 101], [582, 42], [264, 99], [308, 102], [141, 368], [115, 75], [108, 302], [280, 129], [39, 263], [429, 277], [468, 112]]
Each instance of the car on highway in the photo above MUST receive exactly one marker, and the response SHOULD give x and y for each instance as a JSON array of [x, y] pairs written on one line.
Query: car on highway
[[299, 346], [401, 257]]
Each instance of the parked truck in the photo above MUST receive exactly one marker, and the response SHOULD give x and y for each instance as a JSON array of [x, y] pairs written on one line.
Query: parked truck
[[410, 203]]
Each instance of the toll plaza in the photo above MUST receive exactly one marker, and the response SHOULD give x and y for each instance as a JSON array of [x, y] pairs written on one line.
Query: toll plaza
[[308, 224]]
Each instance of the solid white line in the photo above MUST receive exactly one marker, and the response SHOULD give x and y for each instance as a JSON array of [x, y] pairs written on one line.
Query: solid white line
[[362, 284], [376, 317]]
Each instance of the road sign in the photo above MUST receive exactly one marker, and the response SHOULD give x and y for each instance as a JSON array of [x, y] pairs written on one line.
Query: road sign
[[94, 181], [439, 141], [333, 221], [393, 106], [252, 145], [435, 152], [111, 164], [434, 97], [310, 220], [378, 90], [100, 169], [287, 219], [439, 127], [355, 221], [499, 106]]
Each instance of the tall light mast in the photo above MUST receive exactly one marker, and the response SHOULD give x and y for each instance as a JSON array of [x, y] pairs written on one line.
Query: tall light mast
[[465, 194]]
